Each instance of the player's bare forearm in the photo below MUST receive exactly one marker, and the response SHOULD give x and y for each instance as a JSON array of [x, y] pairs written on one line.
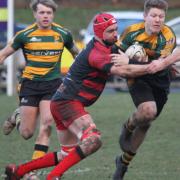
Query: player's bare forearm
[[5, 52], [130, 70], [158, 65], [2, 57], [174, 57]]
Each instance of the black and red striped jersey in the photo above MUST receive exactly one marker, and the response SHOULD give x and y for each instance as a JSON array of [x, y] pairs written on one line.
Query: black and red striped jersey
[[87, 76]]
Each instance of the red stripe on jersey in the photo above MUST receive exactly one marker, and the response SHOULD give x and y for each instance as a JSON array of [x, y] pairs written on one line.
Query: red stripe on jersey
[[87, 95], [93, 85], [98, 74]]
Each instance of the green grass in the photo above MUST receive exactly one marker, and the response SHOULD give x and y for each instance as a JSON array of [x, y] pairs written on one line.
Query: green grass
[[158, 158]]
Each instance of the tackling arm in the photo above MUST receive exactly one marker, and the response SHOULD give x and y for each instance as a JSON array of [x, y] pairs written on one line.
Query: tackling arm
[[122, 67], [129, 70]]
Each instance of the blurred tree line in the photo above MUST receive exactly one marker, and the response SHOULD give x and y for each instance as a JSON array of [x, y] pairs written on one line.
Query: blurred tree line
[[96, 3], [76, 14]]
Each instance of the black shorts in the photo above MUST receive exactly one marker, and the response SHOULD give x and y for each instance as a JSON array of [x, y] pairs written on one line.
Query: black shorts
[[32, 92], [141, 91]]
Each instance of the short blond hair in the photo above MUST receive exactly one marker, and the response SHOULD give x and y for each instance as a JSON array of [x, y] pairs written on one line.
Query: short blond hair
[[48, 3]]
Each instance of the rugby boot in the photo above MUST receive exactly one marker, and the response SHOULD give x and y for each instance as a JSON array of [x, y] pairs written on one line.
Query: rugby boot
[[10, 172], [10, 123]]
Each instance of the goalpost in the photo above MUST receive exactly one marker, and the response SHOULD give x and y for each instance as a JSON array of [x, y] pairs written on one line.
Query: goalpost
[[11, 74]]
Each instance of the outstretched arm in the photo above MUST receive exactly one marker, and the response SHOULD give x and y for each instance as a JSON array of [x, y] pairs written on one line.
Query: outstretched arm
[[5, 52], [129, 70], [158, 65]]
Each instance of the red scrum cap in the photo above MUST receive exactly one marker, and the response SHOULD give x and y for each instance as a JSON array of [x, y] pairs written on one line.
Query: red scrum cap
[[101, 22]]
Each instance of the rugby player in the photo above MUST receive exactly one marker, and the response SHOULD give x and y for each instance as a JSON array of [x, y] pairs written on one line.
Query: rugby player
[[149, 92], [81, 87], [42, 44]]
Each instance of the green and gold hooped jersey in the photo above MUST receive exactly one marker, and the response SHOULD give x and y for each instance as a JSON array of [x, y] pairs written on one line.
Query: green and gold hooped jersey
[[156, 45], [42, 50]]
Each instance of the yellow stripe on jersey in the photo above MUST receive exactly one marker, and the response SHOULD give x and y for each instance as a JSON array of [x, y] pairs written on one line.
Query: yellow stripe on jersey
[[132, 28], [37, 70], [42, 32], [44, 46], [43, 59], [27, 75], [55, 24], [146, 38], [170, 41], [26, 29]]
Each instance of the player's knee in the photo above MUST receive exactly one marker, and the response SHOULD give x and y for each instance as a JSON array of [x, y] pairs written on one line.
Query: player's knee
[[91, 141], [149, 113], [91, 144], [26, 133]]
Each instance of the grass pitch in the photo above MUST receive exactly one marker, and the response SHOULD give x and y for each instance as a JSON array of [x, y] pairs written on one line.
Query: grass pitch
[[157, 159]]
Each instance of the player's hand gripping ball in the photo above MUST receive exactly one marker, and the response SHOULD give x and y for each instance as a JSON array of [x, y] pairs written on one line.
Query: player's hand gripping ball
[[137, 52]]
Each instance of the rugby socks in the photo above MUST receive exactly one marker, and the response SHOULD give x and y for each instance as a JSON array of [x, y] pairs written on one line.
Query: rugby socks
[[127, 157], [65, 150], [39, 151], [71, 159], [50, 159]]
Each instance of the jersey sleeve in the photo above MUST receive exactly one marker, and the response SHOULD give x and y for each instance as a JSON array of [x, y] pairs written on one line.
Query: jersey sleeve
[[170, 42], [17, 41], [125, 40], [100, 61], [68, 39]]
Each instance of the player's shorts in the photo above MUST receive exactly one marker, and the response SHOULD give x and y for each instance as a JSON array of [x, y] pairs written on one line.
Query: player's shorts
[[142, 92], [32, 92], [66, 111]]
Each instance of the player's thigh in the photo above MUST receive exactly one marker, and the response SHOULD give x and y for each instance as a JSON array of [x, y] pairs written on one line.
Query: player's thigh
[[29, 109], [141, 92], [66, 111], [28, 116], [71, 114], [161, 97]]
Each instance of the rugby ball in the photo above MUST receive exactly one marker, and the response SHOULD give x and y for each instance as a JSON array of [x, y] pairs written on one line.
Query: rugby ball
[[137, 52]]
